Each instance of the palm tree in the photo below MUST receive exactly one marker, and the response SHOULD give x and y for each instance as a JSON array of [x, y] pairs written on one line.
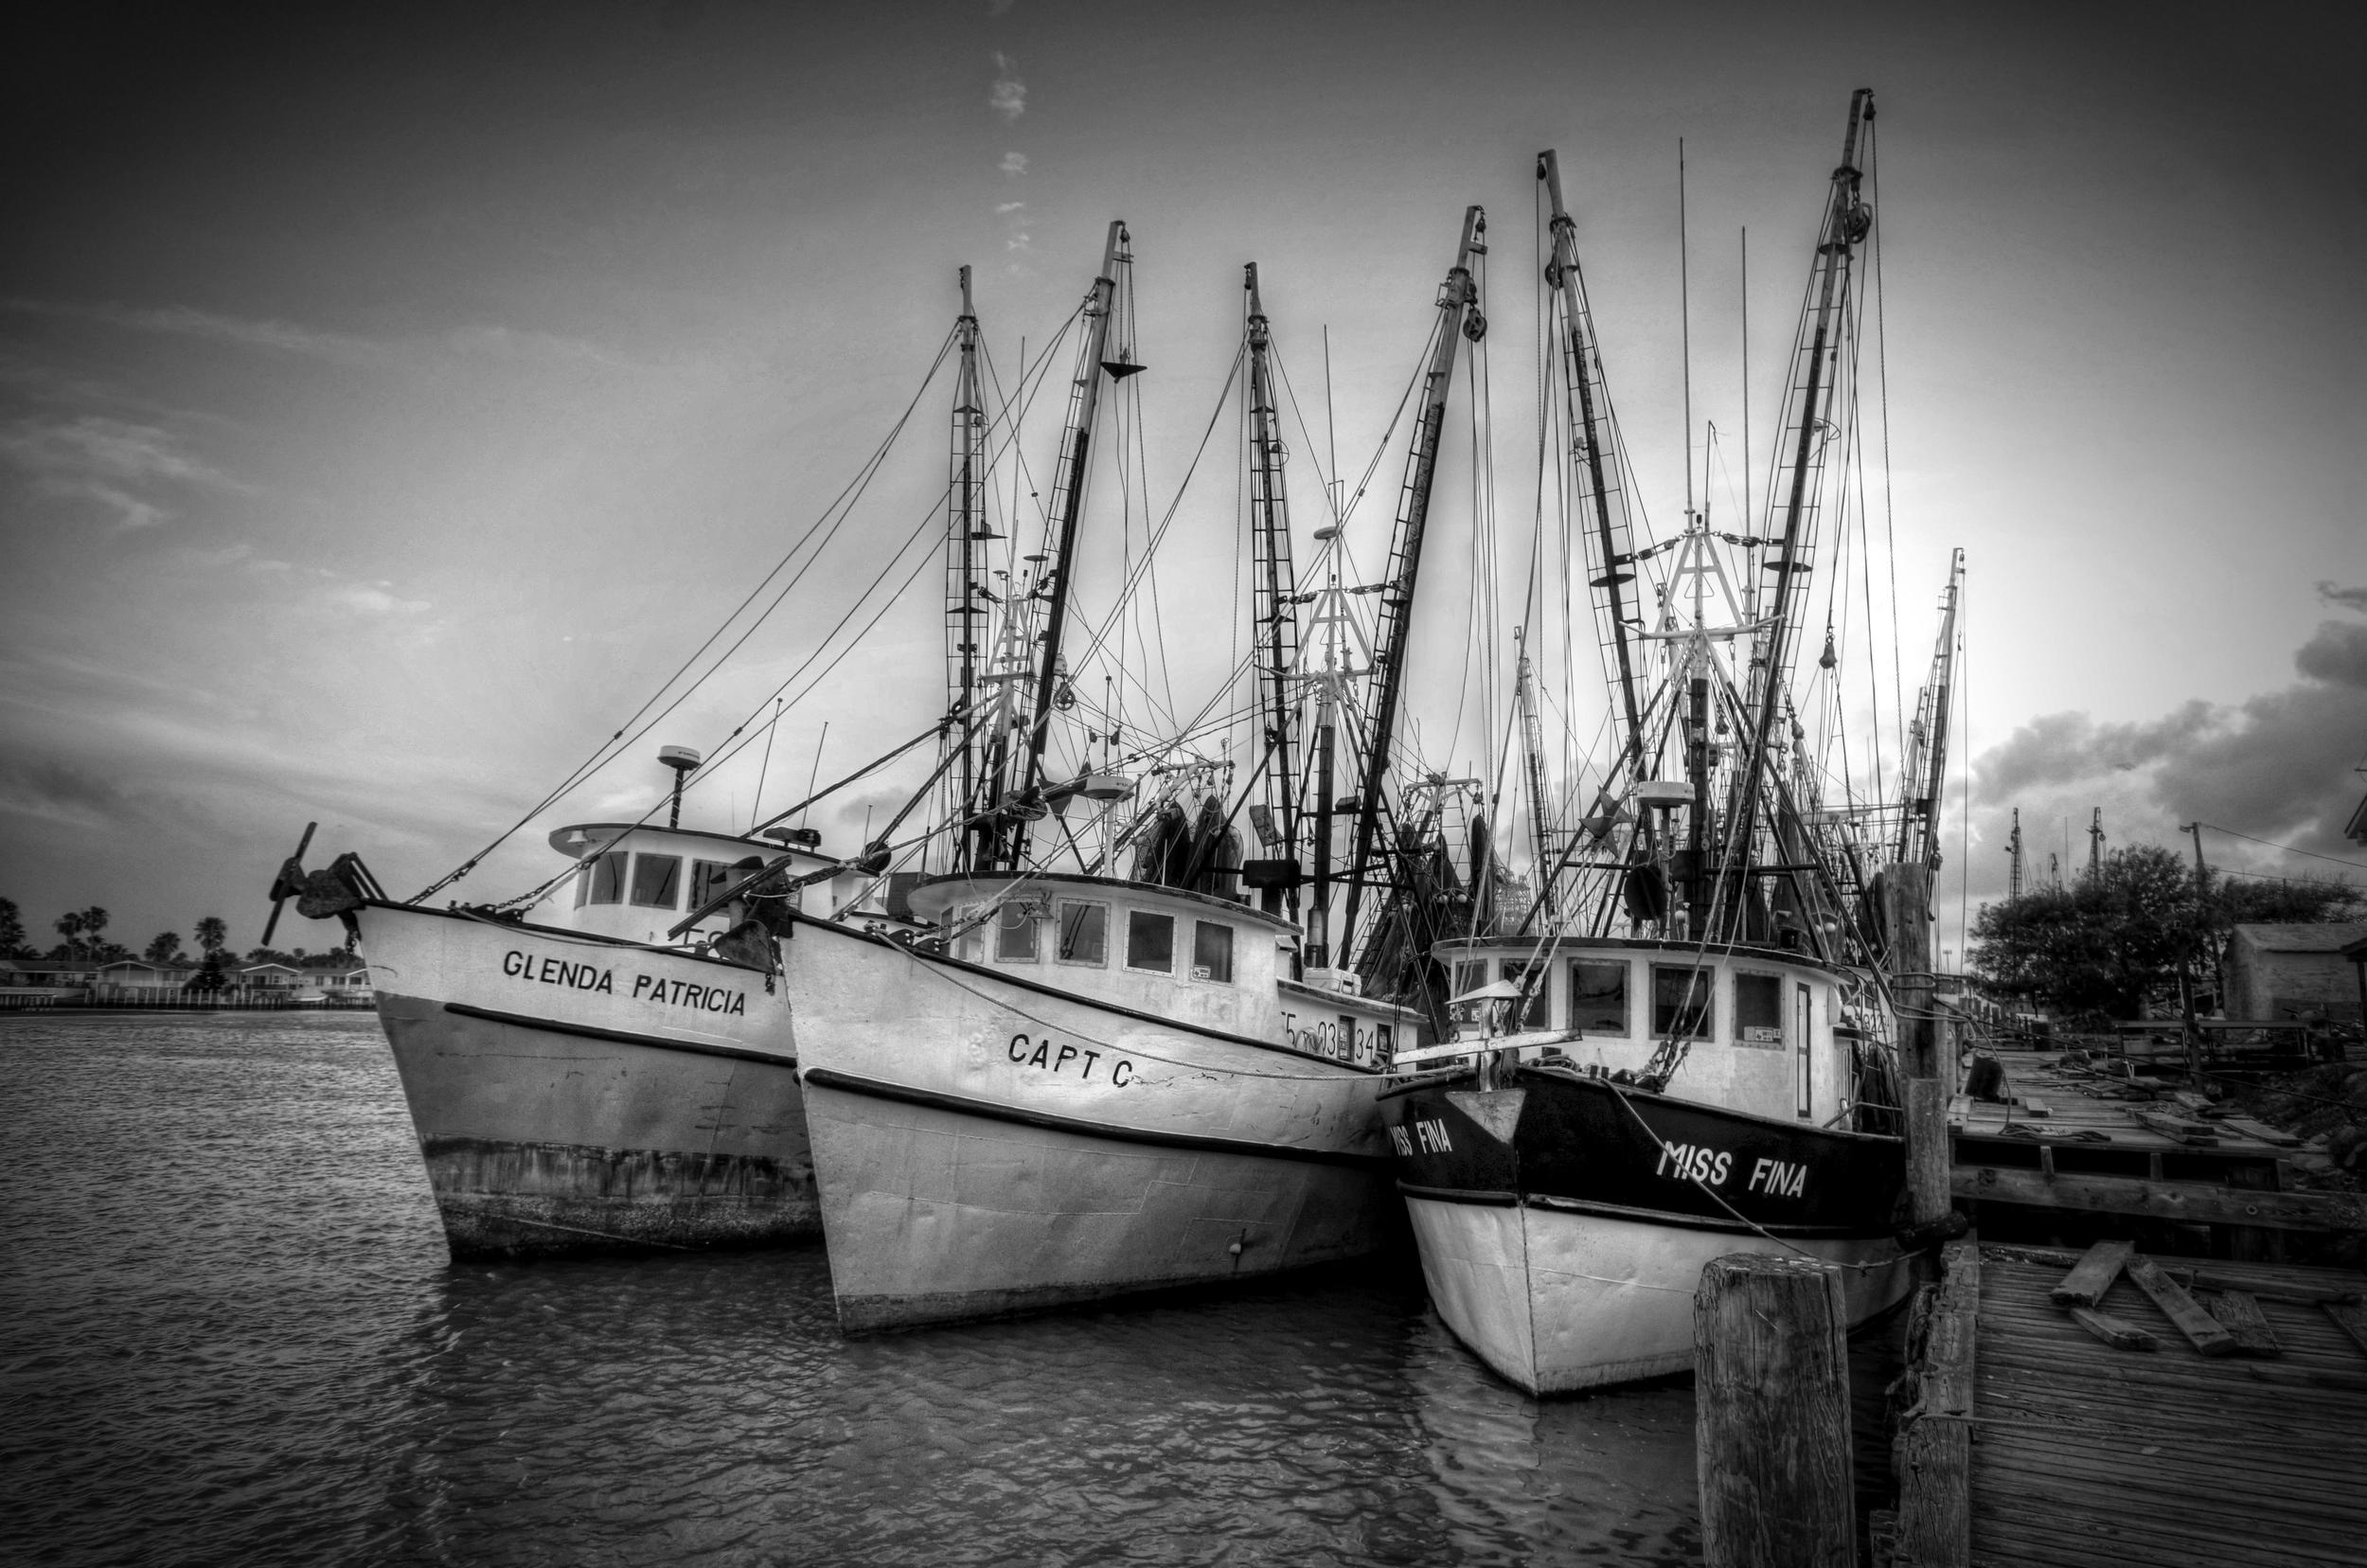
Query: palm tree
[[164, 949], [70, 927], [212, 933]]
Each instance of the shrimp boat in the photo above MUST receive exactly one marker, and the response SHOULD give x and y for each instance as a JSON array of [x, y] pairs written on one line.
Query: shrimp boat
[[1679, 1051], [581, 1079], [1081, 1084]]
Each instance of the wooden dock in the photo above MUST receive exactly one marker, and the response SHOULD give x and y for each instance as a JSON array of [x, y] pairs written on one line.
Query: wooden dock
[[2235, 1434], [2069, 1138]]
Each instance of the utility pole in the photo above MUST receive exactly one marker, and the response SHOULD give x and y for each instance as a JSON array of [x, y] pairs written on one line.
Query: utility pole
[[2193, 1032]]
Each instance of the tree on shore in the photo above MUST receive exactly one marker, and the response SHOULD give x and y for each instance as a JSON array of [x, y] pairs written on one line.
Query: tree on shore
[[2106, 944], [164, 949], [12, 943], [212, 933]]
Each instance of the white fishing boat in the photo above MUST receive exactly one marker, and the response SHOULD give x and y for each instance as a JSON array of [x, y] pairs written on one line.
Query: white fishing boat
[[1080, 1085], [1680, 1049], [577, 1078], [1102, 1087]]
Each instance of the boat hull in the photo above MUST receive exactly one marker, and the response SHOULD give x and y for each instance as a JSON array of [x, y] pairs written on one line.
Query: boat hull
[[985, 1148], [1559, 1244], [572, 1095]]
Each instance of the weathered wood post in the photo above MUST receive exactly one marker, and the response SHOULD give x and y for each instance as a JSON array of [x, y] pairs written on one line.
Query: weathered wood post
[[1771, 1401], [1929, 1078]]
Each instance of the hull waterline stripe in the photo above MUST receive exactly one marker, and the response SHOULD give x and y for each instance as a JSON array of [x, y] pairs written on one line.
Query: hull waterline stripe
[[1476, 1197], [1485, 1199], [963, 1105], [623, 1037]]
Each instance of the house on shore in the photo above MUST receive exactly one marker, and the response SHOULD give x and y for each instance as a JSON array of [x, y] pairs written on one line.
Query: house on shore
[[2281, 972]]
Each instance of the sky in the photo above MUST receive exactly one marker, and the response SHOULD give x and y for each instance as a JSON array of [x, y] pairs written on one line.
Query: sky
[[389, 399]]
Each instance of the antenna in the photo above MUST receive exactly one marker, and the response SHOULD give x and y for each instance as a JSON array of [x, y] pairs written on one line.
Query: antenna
[[681, 759], [1684, 324]]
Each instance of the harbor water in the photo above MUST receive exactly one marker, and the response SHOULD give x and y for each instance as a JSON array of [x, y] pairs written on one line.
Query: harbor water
[[230, 1332]]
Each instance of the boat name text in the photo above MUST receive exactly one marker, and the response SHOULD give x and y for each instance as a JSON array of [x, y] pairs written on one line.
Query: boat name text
[[1694, 1163], [1056, 1058], [646, 987], [1432, 1136]]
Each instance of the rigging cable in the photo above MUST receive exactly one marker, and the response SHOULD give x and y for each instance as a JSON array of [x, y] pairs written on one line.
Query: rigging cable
[[843, 504]]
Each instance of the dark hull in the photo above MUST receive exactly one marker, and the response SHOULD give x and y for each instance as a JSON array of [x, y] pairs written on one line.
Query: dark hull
[[1573, 1140], [1563, 1223]]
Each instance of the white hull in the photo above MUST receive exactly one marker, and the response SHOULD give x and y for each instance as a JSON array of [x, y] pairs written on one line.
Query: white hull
[[1555, 1301], [575, 1095], [984, 1146]]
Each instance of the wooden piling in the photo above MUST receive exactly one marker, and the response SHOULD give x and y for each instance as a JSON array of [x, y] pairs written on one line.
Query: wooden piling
[[1935, 1441], [1770, 1354], [1930, 1078]]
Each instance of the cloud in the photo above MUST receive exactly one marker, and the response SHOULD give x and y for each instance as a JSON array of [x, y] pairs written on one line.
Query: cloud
[[2280, 766], [2349, 598], [1014, 163], [1002, 208], [112, 462], [1000, 7], [1008, 96], [371, 598], [185, 321]]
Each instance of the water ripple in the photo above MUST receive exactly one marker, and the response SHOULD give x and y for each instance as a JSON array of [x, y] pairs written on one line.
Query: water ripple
[[229, 1332]]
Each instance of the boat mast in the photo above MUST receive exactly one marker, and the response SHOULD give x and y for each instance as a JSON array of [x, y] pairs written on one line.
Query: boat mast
[[1926, 772], [965, 533], [1068, 495], [1458, 317], [1612, 563], [1847, 219], [1271, 585]]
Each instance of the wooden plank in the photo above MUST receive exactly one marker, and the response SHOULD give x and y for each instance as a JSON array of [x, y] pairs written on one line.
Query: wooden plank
[[2239, 1313], [2351, 1319], [2261, 1131], [2177, 1129], [2188, 1203], [2297, 1284], [2202, 1331], [2092, 1275], [2112, 1330], [2033, 1106]]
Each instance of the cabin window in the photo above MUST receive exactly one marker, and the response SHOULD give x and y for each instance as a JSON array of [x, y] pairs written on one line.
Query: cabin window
[[657, 881], [1800, 1047], [1212, 951], [1759, 1011], [1680, 1001], [1598, 997], [1149, 941], [1537, 1014], [709, 878], [1469, 976], [1085, 934], [1014, 934], [606, 877]]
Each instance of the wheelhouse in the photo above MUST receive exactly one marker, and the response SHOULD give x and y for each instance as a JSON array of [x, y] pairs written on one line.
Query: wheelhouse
[[636, 882], [1762, 1028], [1159, 950]]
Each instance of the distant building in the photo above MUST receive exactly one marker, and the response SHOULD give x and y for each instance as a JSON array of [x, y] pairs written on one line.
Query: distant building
[[2281, 971], [140, 975]]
